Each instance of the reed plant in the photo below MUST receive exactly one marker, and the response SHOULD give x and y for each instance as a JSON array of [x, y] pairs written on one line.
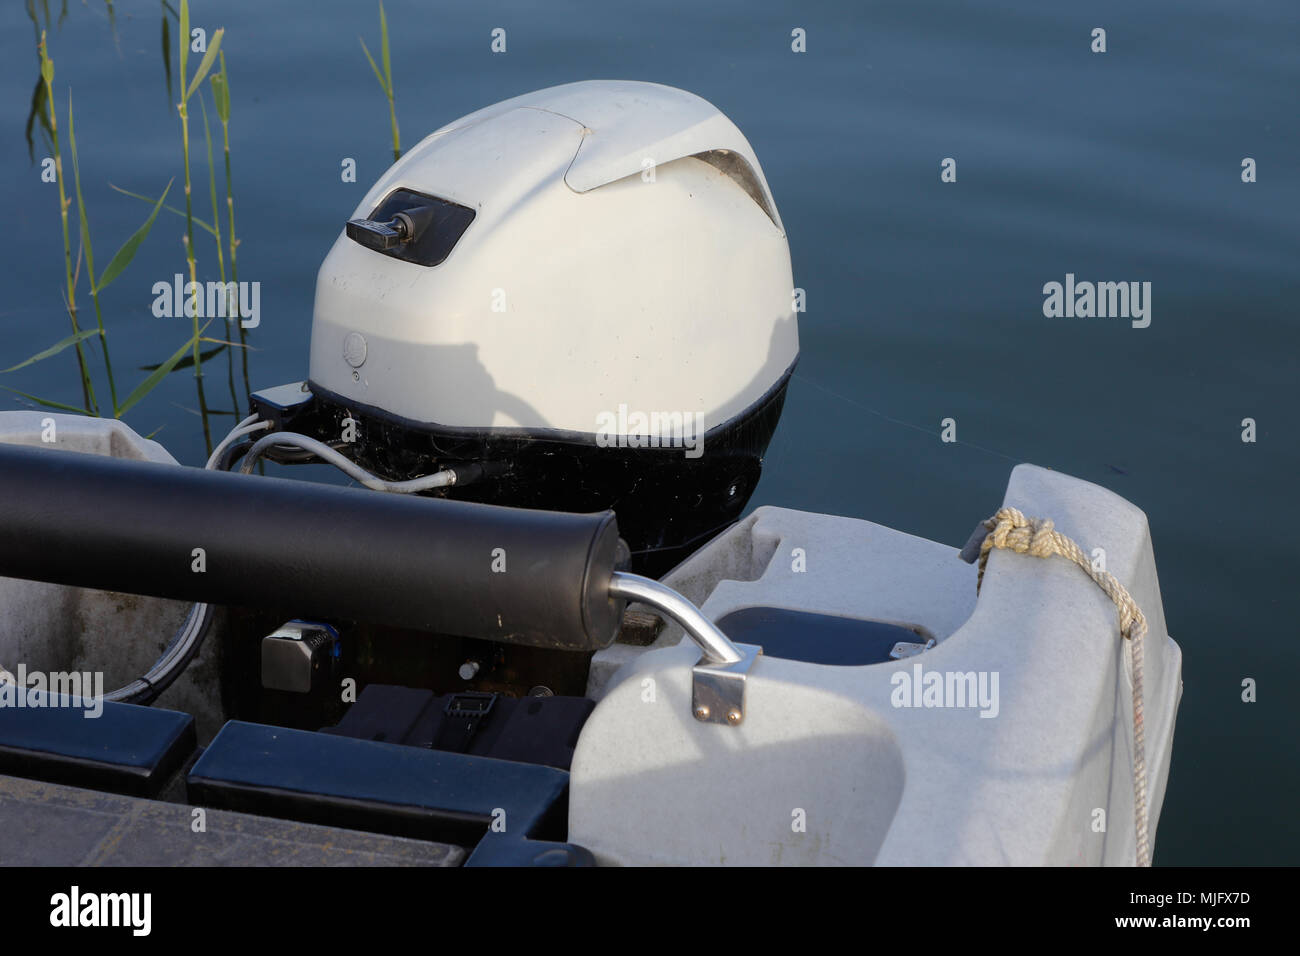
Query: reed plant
[[97, 283], [221, 98], [188, 87], [221, 259], [385, 78], [47, 77]]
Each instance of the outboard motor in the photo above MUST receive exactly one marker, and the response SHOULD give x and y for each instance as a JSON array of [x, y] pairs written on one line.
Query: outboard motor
[[573, 300], [577, 303]]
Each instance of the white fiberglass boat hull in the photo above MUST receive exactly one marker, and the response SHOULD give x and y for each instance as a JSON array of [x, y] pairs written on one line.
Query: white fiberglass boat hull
[[837, 765]]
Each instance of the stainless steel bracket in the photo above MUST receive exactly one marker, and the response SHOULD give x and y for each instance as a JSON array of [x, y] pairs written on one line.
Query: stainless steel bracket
[[718, 690]]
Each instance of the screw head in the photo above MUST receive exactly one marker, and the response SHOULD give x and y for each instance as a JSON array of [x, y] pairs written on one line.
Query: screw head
[[701, 712], [734, 716]]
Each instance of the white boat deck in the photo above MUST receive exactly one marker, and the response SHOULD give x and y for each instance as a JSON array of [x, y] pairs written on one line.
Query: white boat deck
[[1046, 779]]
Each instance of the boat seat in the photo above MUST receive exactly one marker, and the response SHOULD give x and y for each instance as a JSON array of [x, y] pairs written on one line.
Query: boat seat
[[503, 808], [126, 749]]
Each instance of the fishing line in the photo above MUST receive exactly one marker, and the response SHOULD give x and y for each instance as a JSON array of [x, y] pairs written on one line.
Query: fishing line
[[898, 421]]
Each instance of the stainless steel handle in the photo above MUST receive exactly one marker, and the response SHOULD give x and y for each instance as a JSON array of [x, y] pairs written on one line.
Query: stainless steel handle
[[716, 646], [718, 684]]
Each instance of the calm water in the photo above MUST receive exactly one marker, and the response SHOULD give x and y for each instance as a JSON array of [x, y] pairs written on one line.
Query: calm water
[[924, 299]]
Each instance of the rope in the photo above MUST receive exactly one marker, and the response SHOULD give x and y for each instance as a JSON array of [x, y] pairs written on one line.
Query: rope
[[1009, 529]]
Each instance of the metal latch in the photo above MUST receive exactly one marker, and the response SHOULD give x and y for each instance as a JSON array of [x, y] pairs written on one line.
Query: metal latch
[[904, 649]]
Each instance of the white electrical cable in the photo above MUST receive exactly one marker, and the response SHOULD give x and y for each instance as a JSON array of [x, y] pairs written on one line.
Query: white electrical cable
[[439, 479], [246, 427]]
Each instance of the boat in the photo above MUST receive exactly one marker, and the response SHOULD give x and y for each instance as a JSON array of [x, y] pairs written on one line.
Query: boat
[[537, 626]]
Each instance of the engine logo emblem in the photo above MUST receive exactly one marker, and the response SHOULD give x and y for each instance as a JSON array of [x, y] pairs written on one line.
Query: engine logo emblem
[[354, 349]]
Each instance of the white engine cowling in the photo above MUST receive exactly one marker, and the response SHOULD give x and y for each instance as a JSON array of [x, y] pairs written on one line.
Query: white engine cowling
[[624, 251]]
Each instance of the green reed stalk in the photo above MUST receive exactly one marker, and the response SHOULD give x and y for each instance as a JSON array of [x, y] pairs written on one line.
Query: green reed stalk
[[95, 286], [221, 260], [221, 97], [187, 90], [47, 74], [385, 78]]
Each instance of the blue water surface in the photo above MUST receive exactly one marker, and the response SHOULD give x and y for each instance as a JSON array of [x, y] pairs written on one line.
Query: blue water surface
[[924, 298]]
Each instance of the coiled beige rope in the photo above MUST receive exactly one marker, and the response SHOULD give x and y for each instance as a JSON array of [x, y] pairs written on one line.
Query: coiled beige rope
[[1009, 529]]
